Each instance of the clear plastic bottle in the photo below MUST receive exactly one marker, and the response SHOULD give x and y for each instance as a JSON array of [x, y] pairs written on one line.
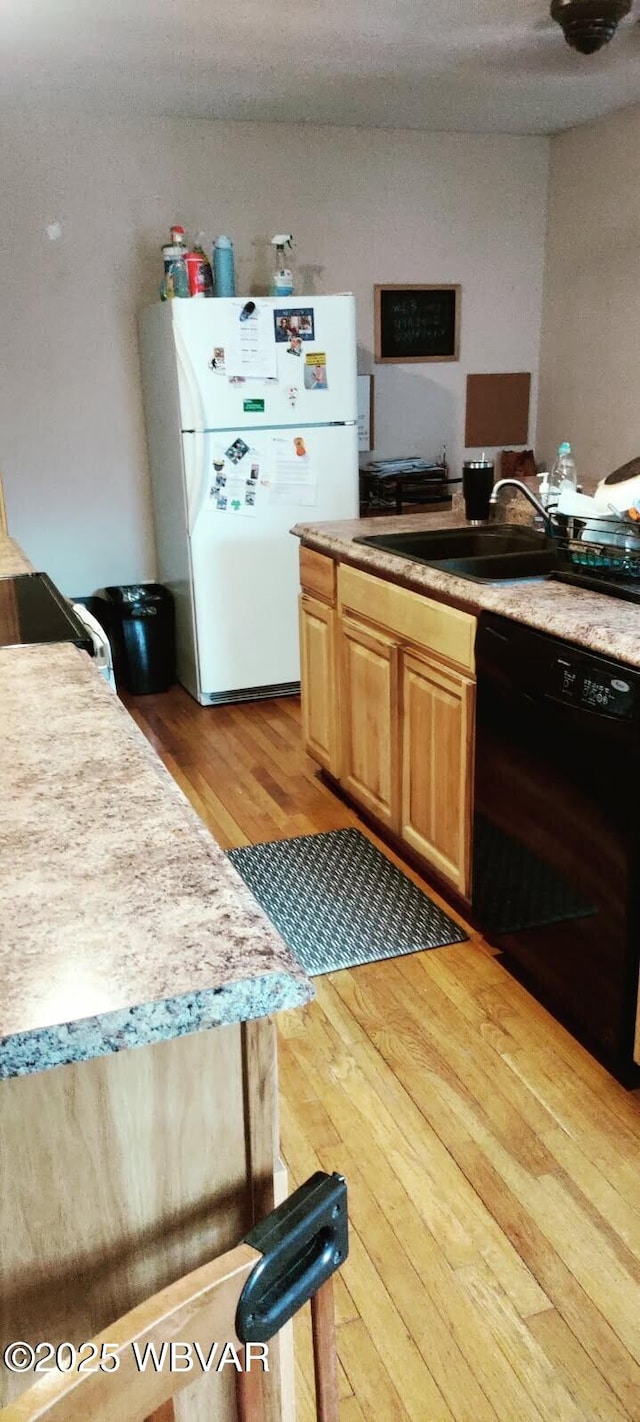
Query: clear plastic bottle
[[176, 280], [564, 476]]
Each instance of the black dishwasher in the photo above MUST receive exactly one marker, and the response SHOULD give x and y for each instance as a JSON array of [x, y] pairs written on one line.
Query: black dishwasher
[[556, 882]]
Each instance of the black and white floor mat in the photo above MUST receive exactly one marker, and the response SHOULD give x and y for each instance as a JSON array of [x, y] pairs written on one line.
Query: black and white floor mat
[[338, 902], [515, 889]]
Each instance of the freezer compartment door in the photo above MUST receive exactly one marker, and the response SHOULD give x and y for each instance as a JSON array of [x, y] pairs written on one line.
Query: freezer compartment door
[[302, 348], [245, 560]]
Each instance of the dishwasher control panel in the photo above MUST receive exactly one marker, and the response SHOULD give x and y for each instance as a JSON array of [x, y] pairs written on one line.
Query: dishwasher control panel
[[586, 683]]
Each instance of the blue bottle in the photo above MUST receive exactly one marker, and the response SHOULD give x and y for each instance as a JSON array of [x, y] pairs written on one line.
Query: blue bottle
[[223, 271]]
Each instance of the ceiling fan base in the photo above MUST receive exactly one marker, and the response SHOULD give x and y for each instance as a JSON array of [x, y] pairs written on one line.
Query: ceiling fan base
[[589, 24]]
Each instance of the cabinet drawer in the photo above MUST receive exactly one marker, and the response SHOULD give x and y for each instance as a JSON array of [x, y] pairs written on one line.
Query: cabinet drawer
[[318, 575], [413, 618]]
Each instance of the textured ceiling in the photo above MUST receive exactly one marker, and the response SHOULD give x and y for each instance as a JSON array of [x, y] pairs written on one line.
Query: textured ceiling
[[479, 65]]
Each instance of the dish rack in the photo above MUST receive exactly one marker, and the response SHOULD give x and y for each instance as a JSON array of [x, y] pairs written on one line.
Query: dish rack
[[600, 546]]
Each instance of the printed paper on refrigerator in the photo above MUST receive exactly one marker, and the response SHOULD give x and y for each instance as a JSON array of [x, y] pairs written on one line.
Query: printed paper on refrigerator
[[250, 350], [293, 479]]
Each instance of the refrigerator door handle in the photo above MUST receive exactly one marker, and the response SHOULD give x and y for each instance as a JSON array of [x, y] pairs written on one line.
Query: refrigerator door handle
[[194, 447]]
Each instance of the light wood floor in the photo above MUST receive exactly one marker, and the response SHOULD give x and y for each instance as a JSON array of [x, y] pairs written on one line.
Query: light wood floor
[[493, 1166]]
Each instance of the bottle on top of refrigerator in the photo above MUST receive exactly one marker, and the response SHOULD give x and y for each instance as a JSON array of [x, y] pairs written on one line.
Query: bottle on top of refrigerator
[[174, 253], [199, 269], [564, 476], [223, 269], [282, 277]]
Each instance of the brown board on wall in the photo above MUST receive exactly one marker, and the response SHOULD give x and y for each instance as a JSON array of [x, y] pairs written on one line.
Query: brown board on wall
[[497, 410]]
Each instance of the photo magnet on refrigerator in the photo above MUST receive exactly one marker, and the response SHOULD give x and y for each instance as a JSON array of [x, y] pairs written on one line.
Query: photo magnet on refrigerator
[[217, 361], [237, 450], [315, 371], [296, 323]]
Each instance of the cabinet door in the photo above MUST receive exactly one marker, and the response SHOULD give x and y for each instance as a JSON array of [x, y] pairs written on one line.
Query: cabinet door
[[369, 694], [437, 767], [318, 682]]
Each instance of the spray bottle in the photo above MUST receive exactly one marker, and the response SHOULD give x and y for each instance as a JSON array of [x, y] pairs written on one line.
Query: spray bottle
[[282, 279]]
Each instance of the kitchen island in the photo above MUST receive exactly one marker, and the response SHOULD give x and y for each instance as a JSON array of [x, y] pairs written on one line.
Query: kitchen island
[[138, 1090]]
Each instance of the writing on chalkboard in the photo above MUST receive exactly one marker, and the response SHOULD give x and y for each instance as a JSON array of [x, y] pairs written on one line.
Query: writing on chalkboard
[[410, 322], [417, 323]]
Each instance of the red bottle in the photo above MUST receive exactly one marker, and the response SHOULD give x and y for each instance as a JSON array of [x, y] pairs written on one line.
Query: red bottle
[[199, 272]]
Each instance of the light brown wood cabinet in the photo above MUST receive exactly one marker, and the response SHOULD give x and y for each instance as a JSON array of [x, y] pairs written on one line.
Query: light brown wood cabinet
[[436, 736], [369, 685], [318, 660], [388, 697], [129, 1175], [318, 682]]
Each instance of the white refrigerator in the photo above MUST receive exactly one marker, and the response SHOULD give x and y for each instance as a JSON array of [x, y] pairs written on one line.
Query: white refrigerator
[[251, 414]]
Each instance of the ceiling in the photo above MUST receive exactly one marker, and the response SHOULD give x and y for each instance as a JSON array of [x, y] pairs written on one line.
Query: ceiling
[[471, 65]]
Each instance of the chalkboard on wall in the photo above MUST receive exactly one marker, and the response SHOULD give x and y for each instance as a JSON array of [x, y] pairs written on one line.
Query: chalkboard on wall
[[416, 323]]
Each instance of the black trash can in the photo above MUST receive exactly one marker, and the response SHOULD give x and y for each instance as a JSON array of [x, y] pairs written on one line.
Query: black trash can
[[141, 628]]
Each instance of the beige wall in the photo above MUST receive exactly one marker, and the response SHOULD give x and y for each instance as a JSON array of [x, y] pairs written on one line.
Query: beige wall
[[590, 352], [364, 205]]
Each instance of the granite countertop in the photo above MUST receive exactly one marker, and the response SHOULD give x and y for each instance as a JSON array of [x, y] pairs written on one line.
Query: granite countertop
[[603, 624], [123, 922]]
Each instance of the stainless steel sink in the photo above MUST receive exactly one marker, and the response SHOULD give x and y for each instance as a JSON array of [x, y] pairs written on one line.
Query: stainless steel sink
[[492, 554]]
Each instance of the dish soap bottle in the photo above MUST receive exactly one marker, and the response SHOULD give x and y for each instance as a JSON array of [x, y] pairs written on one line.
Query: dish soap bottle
[[282, 279], [543, 491], [563, 477]]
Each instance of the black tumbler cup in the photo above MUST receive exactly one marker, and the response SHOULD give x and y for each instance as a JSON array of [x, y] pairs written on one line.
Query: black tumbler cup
[[477, 483]]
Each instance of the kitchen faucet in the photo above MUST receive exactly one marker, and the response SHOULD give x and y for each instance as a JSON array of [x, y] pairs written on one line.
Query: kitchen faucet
[[517, 484]]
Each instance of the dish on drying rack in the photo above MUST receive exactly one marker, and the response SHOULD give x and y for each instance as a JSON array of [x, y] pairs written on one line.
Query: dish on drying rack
[[605, 544]]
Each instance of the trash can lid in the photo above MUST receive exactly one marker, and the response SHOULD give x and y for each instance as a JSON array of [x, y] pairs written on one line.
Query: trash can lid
[[138, 593]]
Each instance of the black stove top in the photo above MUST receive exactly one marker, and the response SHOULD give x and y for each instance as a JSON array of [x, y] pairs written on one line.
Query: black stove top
[[33, 611]]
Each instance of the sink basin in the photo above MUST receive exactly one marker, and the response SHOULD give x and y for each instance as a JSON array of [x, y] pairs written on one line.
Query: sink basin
[[491, 554], [502, 567]]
